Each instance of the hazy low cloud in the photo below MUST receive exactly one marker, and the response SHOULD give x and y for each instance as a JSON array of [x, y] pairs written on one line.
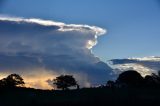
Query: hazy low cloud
[[145, 65], [27, 45]]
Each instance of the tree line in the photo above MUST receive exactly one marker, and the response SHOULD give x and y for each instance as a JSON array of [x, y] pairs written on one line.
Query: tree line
[[130, 78]]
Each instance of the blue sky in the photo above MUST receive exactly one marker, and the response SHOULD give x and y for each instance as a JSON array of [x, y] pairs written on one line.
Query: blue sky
[[133, 25]]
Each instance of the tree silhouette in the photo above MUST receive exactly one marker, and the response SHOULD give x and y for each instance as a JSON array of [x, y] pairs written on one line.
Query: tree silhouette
[[131, 78], [65, 81], [110, 84], [156, 76], [153, 80], [13, 80], [150, 81]]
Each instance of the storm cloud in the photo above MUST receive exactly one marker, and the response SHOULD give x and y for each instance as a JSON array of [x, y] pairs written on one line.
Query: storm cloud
[[34, 46]]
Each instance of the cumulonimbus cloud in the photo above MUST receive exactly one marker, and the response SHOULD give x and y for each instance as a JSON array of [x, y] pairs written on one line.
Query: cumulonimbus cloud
[[33, 44]]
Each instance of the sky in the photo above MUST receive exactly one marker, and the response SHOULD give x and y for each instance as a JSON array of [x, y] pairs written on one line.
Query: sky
[[56, 37]]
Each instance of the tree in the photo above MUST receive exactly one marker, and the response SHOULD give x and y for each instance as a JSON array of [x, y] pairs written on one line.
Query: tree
[[150, 81], [153, 80], [65, 81], [110, 84], [131, 78], [156, 76], [13, 80]]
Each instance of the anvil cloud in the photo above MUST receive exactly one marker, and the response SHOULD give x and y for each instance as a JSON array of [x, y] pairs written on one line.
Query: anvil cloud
[[34, 46]]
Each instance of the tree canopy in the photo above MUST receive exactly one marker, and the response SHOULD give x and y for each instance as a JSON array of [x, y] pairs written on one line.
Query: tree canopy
[[130, 77], [13, 80], [64, 82]]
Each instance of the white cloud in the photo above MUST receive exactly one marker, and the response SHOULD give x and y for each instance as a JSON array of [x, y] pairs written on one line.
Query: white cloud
[[144, 65]]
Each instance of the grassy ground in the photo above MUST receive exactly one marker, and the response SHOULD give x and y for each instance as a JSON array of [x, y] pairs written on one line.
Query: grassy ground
[[82, 97]]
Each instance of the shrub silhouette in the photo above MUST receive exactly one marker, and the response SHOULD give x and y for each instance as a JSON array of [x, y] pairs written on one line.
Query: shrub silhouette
[[13, 80], [131, 78], [65, 81]]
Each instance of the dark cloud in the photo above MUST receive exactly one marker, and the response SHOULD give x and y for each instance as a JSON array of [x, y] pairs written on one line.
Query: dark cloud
[[34, 44]]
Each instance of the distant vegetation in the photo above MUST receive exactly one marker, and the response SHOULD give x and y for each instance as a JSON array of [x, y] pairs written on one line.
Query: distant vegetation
[[129, 89]]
